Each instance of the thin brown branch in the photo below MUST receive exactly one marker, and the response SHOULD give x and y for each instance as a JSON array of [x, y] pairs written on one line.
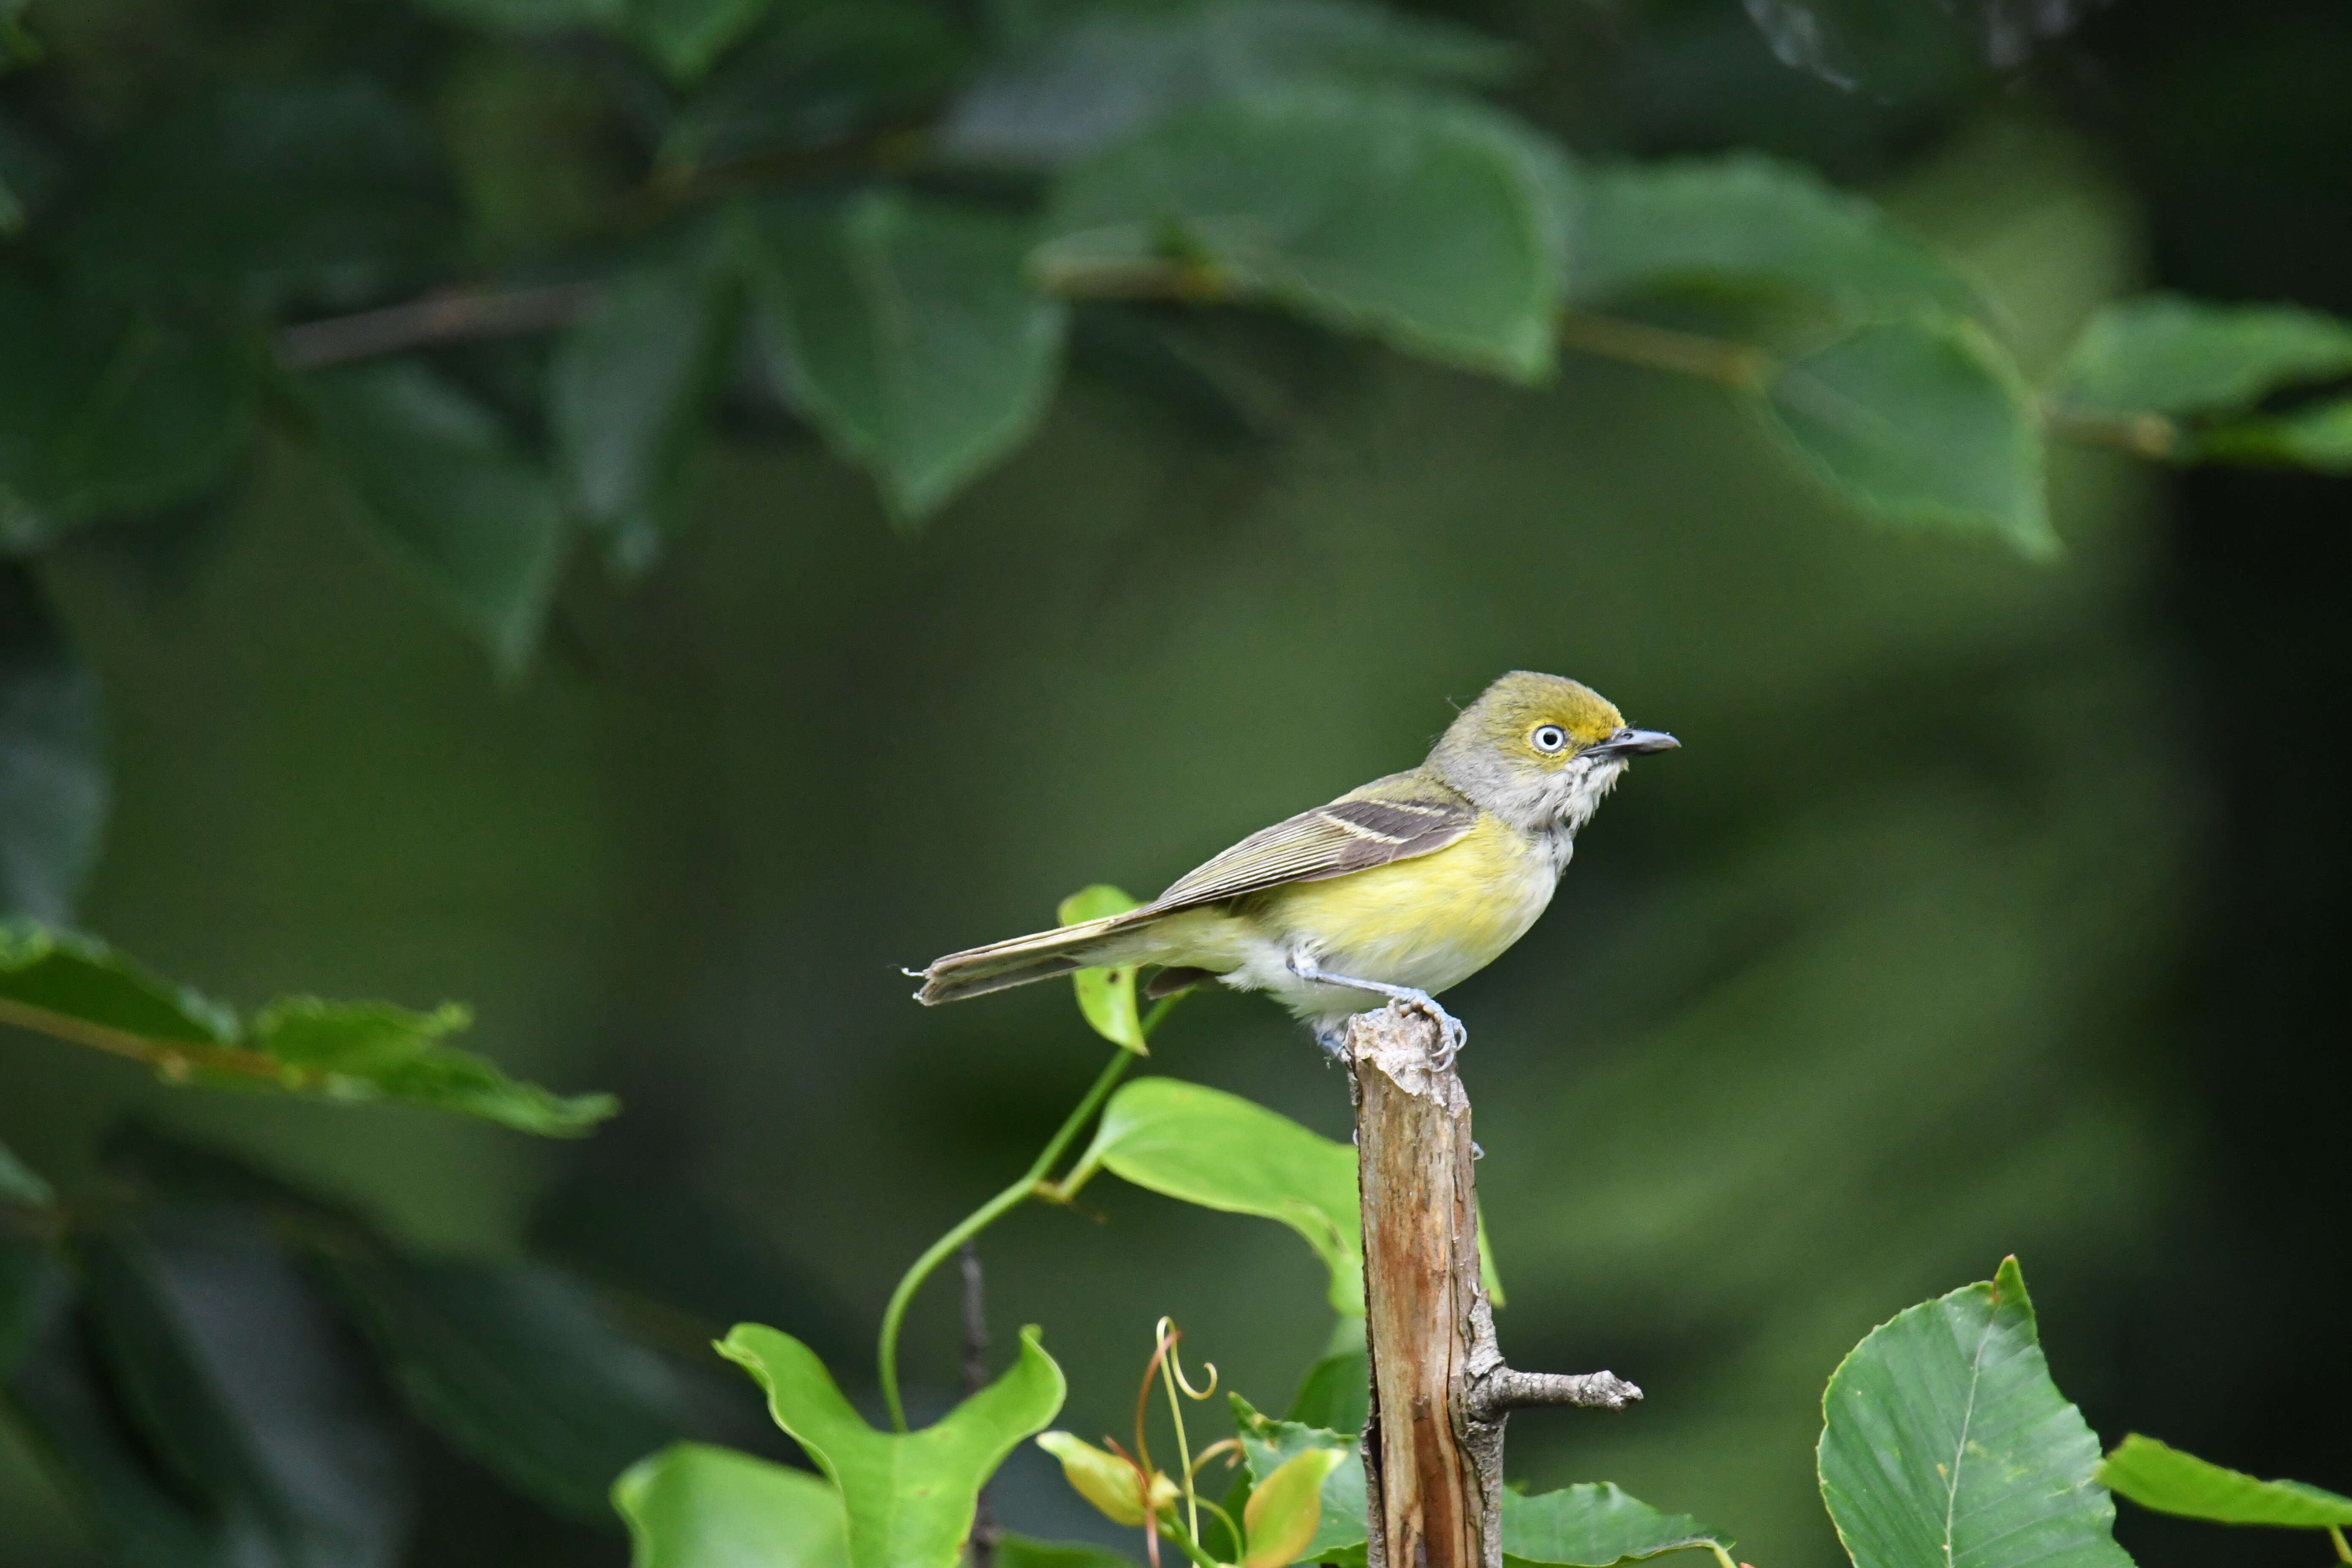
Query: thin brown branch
[[984, 1530], [1506, 1389], [464, 316], [174, 1059]]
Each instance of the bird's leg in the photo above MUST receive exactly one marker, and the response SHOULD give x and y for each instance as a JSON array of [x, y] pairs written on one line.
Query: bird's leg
[[1456, 1037]]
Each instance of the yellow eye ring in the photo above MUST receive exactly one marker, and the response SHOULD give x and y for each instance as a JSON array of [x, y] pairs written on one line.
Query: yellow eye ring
[[1548, 739]]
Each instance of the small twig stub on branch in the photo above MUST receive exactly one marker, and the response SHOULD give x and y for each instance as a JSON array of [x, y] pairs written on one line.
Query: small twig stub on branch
[[1441, 1393]]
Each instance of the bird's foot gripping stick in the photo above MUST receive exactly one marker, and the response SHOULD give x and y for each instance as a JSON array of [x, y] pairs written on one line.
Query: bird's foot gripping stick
[[1420, 1001]]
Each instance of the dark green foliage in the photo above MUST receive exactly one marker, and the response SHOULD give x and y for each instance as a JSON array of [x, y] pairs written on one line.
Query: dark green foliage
[[2162, 1478], [53, 786]]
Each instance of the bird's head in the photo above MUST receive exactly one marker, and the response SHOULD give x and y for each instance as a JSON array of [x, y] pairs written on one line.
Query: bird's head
[[1539, 751]]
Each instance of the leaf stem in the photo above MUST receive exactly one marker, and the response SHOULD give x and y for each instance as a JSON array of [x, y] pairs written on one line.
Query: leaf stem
[[980, 1219], [1184, 1542], [1660, 348], [2343, 1552], [174, 1059]]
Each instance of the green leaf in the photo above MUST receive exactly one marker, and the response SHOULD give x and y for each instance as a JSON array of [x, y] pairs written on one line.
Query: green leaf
[[373, 1050], [2317, 438], [628, 394], [1286, 1508], [105, 412], [1428, 223], [695, 1506], [1747, 224], [1945, 1438], [1336, 1394], [2156, 1476], [1110, 72], [2161, 353], [19, 1183], [686, 38], [1923, 422], [1268, 1445], [449, 494], [1106, 996], [909, 1495], [1020, 1552], [532, 16], [517, 1366], [903, 329], [1594, 1524], [78, 988], [816, 73], [29, 1274], [234, 1373], [53, 783], [1219, 1151], [297, 195], [66, 1404]]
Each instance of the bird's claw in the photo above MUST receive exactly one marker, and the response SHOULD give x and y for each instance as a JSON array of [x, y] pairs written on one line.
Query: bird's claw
[[1452, 1034]]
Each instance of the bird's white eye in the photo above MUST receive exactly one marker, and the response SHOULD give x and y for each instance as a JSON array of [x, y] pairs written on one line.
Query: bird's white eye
[[1548, 739]]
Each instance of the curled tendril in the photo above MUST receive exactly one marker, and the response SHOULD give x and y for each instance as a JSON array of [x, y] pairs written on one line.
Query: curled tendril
[[1168, 1334]]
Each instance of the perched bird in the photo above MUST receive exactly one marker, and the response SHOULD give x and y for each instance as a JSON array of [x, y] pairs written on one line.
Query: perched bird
[[1396, 890]]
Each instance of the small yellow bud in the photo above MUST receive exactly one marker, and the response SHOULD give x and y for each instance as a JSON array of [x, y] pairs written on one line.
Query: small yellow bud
[[1107, 1482]]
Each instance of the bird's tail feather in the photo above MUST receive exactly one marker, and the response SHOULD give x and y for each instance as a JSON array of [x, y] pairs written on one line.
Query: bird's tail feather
[[1023, 959]]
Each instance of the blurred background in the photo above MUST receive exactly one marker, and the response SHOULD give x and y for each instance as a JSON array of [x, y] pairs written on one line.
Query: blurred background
[[1991, 907]]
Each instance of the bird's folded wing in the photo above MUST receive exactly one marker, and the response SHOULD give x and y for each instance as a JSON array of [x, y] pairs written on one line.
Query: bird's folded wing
[[1354, 833]]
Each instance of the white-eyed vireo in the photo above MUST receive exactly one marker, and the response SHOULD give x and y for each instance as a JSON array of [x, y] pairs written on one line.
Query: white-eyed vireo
[[1397, 889]]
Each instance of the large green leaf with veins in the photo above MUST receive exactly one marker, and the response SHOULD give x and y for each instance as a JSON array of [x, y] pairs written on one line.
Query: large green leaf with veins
[[1945, 1441]]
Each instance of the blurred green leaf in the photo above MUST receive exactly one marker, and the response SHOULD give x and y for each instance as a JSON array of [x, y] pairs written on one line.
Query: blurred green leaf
[[1020, 1552], [53, 780], [373, 1050], [903, 329], [1594, 1524], [909, 1495], [686, 38], [628, 394], [19, 1183], [2317, 438], [237, 1378], [63, 1401], [1918, 422], [29, 1273], [1217, 1150], [79, 989], [517, 1365], [1268, 1445], [1106, 996], [1945, 1438], [1286, 1508], [2156, 1476], [325, 194], [1336, 1394], [695, 1506], [1110, 72], [1428, 223], [532, 16], [819, 74], [2161, 354], [450, 495], [104, 412], [1746, 224]]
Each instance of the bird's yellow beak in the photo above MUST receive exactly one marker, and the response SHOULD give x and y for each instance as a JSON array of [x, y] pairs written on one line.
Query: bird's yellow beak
[[1629, 742]]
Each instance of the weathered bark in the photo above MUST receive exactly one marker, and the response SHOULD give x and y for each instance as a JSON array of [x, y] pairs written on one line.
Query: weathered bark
[[1441, 1393]]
